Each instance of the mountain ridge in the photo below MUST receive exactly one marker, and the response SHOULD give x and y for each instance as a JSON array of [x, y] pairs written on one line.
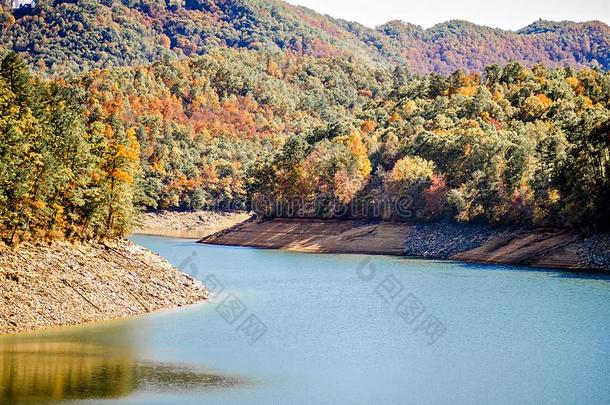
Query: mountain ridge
[[72, 36]]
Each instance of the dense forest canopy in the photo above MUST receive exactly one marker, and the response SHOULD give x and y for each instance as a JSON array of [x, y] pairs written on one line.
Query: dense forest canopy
[[64, 171], [510, 145], [111, 107], [62, 37]]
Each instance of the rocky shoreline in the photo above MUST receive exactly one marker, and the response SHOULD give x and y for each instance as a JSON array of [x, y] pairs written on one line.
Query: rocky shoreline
[[188, 224], [540, 247], [442, 240], [543, 247], [49, 284], [551, 248]]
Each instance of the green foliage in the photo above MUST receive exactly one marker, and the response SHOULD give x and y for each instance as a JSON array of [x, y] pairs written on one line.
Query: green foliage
[[203, 124], [409, 171], [64, 37], [516, 145], [56, 175]]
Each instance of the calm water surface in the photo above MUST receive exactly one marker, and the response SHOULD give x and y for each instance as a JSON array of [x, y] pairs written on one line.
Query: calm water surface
[[332, 329]]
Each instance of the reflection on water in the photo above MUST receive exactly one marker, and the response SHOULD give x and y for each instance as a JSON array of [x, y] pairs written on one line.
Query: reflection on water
[[514, 336], [46, 372]]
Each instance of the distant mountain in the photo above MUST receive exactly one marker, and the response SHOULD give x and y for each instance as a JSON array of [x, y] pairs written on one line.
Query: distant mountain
[[462, 45], [78, 35]]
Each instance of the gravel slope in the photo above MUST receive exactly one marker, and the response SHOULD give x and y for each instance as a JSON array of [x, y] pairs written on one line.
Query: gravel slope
[[553, 248], [52, 284], [194, 224]]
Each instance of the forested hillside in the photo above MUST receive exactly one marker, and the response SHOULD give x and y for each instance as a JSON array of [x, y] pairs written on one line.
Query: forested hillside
[[203, 122], [509, 146], [61, 37], [64, 171]]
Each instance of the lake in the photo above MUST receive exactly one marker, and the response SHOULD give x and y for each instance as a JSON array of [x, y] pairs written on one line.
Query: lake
[[298, 328]]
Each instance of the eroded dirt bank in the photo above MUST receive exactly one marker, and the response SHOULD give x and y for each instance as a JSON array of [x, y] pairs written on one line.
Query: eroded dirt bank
[[315, 235], [59, 283], [543, 247], [552, 248], [194, 225]]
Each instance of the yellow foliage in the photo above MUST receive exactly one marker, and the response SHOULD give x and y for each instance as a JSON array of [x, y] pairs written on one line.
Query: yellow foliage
[[39, 204], [108, 132], [10, 20], [544, 100], [122, 175], [165, 41], [575, 84], [468, 91], [395, 117], [273, 69], [131, 151], [409, 107], [554, 196], [470, 124], [346, 187], [126, 152], [158, 167], [537, 105], [59, 219], [411, 169], [358, 149]]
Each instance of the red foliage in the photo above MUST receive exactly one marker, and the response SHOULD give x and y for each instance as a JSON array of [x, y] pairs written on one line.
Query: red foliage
[[435, 197]]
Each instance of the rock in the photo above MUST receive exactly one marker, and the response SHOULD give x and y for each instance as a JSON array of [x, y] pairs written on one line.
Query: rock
[[441, 240], [596, 251], [197, 224], [41, 287]]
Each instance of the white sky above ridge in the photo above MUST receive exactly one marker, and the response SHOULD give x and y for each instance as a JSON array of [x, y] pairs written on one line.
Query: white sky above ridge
[[511, 15]]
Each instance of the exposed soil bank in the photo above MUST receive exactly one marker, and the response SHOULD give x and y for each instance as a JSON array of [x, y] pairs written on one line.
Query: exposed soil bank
[[195, 225], [315, 235], [59, 283], [540, 247], [544, 247]]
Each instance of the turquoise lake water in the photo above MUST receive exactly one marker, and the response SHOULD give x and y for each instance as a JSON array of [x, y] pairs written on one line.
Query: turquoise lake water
[[292, 328]]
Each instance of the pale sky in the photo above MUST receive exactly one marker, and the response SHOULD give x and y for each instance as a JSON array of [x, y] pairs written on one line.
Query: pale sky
[[512, 14]]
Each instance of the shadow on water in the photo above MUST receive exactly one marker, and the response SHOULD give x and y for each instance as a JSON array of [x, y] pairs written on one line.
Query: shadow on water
[[51, 371], [495, 267]]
